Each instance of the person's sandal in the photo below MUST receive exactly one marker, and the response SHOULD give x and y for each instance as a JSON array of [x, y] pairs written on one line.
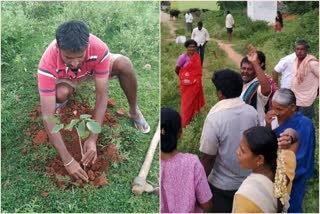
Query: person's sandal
[[141, 124]]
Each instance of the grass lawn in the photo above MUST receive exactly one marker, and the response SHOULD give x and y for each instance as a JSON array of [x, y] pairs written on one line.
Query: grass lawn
[[246, 32], [26, 31], [185, 5]]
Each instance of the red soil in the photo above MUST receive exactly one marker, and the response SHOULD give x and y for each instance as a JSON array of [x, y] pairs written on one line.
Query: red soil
[[54, 167], [289, 16], [41, 137]]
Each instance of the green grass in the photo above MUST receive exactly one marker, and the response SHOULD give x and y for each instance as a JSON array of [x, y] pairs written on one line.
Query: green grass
[[185, 5], [215, 58], [25, 35]]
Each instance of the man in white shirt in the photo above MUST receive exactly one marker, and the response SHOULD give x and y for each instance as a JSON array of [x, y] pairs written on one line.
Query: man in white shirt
[[229, 25], [189, 19], [201, 36], [285, 68]]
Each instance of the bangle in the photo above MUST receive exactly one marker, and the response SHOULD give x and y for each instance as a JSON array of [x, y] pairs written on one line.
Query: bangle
[[69, 162]]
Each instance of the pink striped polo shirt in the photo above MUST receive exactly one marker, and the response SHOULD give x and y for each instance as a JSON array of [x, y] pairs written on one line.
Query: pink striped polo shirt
[[51, 66]]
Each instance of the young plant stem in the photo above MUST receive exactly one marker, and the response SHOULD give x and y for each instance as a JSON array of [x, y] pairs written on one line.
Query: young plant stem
[[81, 151]]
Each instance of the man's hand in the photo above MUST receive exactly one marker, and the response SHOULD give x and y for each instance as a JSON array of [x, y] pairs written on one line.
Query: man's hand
[[75, 170], [89, 152], [253, 57]]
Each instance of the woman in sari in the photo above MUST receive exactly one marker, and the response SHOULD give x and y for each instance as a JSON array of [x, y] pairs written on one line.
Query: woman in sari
[[189, 70], [285, 113], [273, 163]]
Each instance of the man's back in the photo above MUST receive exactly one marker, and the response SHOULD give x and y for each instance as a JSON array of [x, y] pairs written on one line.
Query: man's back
[[229, 21], [224, 130]]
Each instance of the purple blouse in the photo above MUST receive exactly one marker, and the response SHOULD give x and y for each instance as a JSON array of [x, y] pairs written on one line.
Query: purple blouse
[[183, 60]]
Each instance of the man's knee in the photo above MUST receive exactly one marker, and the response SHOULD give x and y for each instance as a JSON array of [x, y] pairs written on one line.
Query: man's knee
[[64, 91], [122, 67]]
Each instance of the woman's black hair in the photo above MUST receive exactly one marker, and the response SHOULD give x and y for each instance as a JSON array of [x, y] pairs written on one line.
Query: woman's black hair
[[170, 127], [190, 42], [263, 141]]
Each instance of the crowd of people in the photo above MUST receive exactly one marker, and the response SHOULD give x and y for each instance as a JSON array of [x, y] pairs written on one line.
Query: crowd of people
[[257, 146]]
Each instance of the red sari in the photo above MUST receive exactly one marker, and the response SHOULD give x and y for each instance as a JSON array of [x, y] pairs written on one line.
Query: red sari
[[192, 97]]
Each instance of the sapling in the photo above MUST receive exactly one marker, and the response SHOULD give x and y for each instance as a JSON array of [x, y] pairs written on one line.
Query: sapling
[[84, 125]]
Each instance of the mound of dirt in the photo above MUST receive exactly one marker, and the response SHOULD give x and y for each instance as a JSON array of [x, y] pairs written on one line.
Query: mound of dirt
[[54, 167]]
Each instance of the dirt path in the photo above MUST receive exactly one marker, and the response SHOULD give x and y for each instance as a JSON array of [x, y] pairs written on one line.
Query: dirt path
[[165, 18], [232, 54]]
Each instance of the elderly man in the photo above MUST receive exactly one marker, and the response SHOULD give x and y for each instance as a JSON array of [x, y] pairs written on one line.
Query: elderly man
[[75, 55], [305, 79], [201, 36], [220, 139]]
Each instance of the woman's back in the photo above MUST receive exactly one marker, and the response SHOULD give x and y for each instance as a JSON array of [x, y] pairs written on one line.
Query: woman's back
[[183, 183]]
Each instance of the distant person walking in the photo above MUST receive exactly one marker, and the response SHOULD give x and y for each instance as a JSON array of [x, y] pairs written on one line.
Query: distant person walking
[[201, 36], [229, 25], [279, 16], [189, 19], [277, 26]]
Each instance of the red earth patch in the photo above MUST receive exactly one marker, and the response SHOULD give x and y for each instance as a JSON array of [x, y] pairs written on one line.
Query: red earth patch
[[54, 167]]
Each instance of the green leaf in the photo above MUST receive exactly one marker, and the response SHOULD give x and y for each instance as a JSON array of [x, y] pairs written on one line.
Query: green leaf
[[54, 119], [71, 124], [85, 116], [85, 135], [57, 128], [81, 130], [94, 127]]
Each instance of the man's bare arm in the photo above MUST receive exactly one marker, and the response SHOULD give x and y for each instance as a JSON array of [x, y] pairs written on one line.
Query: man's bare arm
[[207, 162], [275, 77], [101, 102], [48, 104]]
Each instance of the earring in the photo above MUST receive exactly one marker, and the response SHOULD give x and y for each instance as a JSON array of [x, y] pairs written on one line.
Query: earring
[[259, 164]]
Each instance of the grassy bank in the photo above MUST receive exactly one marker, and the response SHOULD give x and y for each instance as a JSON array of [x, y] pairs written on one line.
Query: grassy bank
[[27, 28]]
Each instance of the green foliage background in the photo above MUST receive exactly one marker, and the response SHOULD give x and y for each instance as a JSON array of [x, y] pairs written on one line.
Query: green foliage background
[[27, 28], [261, 35]]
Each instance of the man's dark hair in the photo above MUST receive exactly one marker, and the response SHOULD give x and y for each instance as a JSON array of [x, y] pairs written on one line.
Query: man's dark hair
[[302, 42], [228, 11], [261, 57], [72, 35], [228, 82], [190, 42], [200, 23]]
